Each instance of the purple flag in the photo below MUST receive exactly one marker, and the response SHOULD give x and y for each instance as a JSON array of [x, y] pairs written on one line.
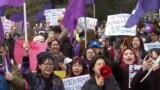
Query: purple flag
[[15, 3], [16, 17], [2, 11], [143, 6], [75, 10], [40, 15], [89, 1]]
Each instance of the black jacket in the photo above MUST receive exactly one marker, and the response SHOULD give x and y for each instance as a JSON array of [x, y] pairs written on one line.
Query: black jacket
[[152, 82], [110, 84]]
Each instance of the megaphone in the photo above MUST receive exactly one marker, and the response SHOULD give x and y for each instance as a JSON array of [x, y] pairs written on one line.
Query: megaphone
[[105, 71]]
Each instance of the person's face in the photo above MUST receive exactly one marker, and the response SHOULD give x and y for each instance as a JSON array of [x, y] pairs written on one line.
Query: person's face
[[55, 35], [55, 47], [103, 44], [154, 37], [143, 29], [128, 57], [7, 35], [2, 52], [90, 54], [136, 42], [154, 55], [46, 67], [97, 50], [14, 30], [77, 69], [42, 34], [99, 63]]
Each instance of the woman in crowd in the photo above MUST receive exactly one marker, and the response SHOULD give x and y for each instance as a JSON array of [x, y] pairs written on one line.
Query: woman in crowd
[[88, 54], [96, 81], [54, 49], [44, 79], [138, 45], [127, 57], [10, 43], [78, 67], [153, 80]]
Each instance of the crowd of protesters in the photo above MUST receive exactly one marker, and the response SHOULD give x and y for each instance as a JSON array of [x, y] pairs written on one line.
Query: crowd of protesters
[[117, 52]]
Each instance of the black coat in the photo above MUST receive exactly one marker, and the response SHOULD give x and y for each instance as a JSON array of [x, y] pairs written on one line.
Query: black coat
[[152, 82], [110, 84]]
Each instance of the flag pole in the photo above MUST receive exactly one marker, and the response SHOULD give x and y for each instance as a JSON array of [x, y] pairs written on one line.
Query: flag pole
[[25, 21], [85, 29], [94, 10], [6, 65]]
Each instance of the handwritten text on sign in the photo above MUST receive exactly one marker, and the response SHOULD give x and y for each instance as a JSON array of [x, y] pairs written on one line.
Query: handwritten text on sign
[[90, 23], [115, 25], [75, 83], [7, 24], [149, 46], [52, 16]]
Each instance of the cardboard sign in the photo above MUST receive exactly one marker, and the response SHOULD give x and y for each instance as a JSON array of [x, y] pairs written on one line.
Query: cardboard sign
[[149, 46], [133, 69], [52, 16], [75, 83], [115, 25], [35, 48], [61, 74], [90, 23]]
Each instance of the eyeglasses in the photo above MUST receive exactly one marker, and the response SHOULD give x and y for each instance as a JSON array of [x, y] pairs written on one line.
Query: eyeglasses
[[48, 64]]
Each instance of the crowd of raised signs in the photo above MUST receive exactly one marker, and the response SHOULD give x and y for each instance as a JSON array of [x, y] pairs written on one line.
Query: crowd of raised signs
[[30, 65]]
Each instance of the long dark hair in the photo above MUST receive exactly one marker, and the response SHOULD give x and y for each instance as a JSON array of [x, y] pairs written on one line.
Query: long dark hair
[[41, 57], [93, 62], [79, 61], [141, 42], [50, 43], [85, 52]]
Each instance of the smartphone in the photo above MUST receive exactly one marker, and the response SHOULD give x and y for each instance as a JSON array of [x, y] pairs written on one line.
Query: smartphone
[[1, 61], [148, 56]]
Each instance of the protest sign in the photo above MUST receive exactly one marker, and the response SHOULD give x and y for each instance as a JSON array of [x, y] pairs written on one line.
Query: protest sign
[[7, 24], [115, 25], [52, 16], [35, 48], [133, 69], [90, 23], [61, 74], [75, 83], [149, 46]]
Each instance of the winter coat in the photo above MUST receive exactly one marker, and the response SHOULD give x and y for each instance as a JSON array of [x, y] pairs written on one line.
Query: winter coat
[[152, 82], [37, 82], [109, 84]]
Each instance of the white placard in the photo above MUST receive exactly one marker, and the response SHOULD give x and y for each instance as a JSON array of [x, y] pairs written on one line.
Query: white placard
[[90, 23], [75, 83], [115, 25], [52, 16], [133, 69], [7, 24], [149, 46]]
